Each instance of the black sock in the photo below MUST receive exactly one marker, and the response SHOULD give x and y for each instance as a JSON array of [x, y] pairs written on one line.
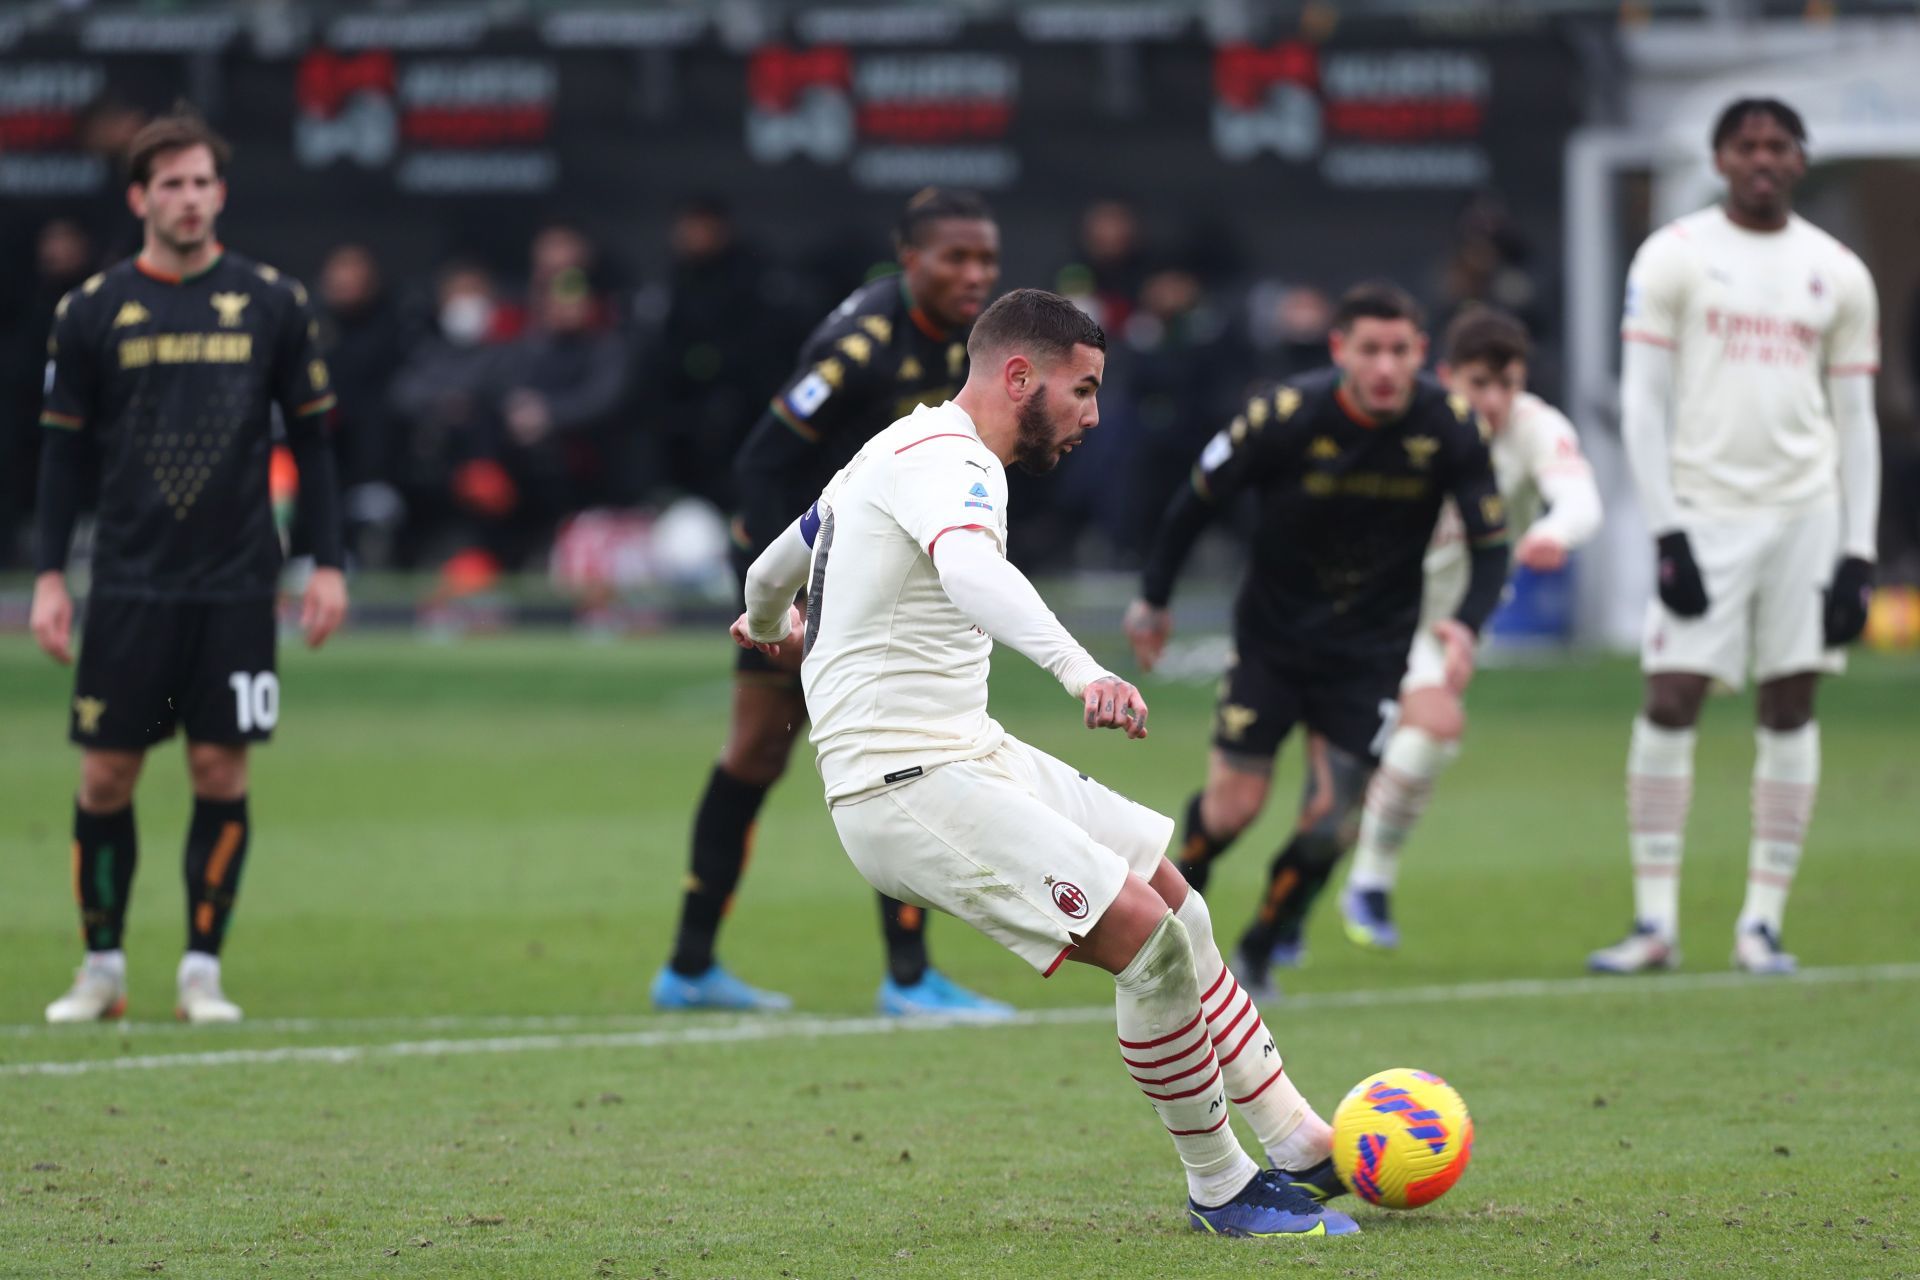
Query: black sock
[[216, 851], [722, 839], [105, 849], [905, 928], [1198, 849], [1297, 875]]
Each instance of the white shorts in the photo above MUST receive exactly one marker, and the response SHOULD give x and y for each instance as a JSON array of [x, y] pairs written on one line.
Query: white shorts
[[1029, 851], [1766, 576], [1426, 661]]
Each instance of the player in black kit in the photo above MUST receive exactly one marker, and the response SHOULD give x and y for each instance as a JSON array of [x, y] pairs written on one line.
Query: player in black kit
[[164, 373], [1350, 467], [895, 343]]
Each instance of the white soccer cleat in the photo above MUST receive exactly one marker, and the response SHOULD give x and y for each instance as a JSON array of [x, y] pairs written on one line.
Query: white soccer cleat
[[201, 1000], [99, 992], [1644, 950], [1757, 950]]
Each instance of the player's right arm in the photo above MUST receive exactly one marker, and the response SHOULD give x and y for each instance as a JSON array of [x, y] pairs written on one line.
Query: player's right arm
[[1649, 332], [1239, 455], [775, 577], [1564, 478], [65, 412]]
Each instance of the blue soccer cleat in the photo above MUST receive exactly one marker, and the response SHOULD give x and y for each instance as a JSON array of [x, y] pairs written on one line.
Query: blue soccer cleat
[[714, 989], [1320, 1182], [1271, 1206], [937, 996], [1645, 950], [1369, 919]]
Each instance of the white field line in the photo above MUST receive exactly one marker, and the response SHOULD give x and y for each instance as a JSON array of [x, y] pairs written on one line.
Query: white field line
[[777, 1027]]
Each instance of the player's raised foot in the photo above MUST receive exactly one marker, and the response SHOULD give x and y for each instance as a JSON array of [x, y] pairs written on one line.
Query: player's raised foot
[[1368, 918], [1319, 1182], [714, 989], [1757, 950], [201, 1001], [1645, 950], [99, 992], [1270, 1205], [938, 996]]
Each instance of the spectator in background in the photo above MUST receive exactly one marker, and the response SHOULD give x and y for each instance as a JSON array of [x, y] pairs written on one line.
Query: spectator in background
[[1287, 328], [556, 422], [1105, 280], [435, 403], [63, 257], [367, 339], [731, 320]]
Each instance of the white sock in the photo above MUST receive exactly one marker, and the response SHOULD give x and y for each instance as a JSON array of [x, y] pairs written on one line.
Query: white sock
[[1396, 798], [1165, 1044], [1292, 1134], [1659, 790], [1786, 776], [113, 964], [196, 965]]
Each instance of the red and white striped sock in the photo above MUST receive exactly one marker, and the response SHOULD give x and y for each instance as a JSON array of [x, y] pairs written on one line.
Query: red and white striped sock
[[1166, 1045], [1659, 792], [1292, 1134], [1396, 798], [1786, 777]]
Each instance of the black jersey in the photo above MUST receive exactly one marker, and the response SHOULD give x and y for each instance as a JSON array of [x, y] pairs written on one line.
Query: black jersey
[[173, 381], [867, 365], [1346, 509]]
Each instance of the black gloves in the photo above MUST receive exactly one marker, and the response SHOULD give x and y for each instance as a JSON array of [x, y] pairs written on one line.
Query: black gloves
[[1681, 589], [1847, 600]]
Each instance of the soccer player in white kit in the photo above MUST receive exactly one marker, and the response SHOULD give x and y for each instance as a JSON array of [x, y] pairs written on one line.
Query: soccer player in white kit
[[1537, 463], [903, 558], [1750, 344]]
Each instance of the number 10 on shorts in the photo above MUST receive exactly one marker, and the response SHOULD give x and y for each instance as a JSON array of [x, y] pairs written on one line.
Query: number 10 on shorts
[[256, 700]]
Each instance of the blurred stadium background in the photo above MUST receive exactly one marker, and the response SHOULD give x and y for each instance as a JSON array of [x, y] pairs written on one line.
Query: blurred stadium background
[[1202, 175]]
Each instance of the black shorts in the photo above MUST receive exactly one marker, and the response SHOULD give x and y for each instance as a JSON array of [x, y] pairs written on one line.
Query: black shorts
[[147, 666], [750, 665], [1261, 701]]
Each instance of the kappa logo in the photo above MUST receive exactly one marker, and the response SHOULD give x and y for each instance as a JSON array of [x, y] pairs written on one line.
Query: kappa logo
[[1067, 897], [131, 313], [230, 305]]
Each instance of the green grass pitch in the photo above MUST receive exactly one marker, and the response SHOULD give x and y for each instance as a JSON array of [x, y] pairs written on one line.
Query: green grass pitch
[[466, 863]]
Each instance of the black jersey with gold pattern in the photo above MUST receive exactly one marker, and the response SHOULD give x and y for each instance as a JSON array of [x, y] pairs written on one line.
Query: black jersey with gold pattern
[[173, 382], [867, 365]]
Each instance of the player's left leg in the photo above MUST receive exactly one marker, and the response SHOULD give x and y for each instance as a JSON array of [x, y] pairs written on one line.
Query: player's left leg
[[1789, 656], [1427, 740], [230, 700], [1335, 786]]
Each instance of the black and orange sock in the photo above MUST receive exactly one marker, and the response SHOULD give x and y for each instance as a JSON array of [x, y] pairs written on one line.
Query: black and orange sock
[[105, 849], [216, 851], [1294, 880], [722, 842], [905, 928], [1198, 849]]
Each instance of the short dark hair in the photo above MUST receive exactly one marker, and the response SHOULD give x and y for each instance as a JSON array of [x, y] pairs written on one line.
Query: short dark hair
[[1484, 335], [176, 131], [1042, 326], [1739, 109], [932, 204], [1377, 300]]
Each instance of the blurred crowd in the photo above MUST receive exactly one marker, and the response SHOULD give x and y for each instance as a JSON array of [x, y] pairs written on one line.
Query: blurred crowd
[[479, 412]]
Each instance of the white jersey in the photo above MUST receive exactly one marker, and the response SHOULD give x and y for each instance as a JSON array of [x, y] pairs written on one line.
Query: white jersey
[[895, 675], [1537, 448], [1756, 322]]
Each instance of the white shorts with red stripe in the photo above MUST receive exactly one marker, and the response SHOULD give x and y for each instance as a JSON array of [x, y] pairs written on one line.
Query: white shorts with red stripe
[[1766, 575], [1029, 851]]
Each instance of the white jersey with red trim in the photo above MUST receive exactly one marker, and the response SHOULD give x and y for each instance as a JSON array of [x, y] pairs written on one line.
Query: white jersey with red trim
[[1537, 445], [1756, 322], [895, 675]]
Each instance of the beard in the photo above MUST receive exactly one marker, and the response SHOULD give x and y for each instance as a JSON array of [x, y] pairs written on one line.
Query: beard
[[1033, 450]]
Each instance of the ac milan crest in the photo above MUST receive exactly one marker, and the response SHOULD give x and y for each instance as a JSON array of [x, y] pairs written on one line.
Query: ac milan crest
[[1067, 897]]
